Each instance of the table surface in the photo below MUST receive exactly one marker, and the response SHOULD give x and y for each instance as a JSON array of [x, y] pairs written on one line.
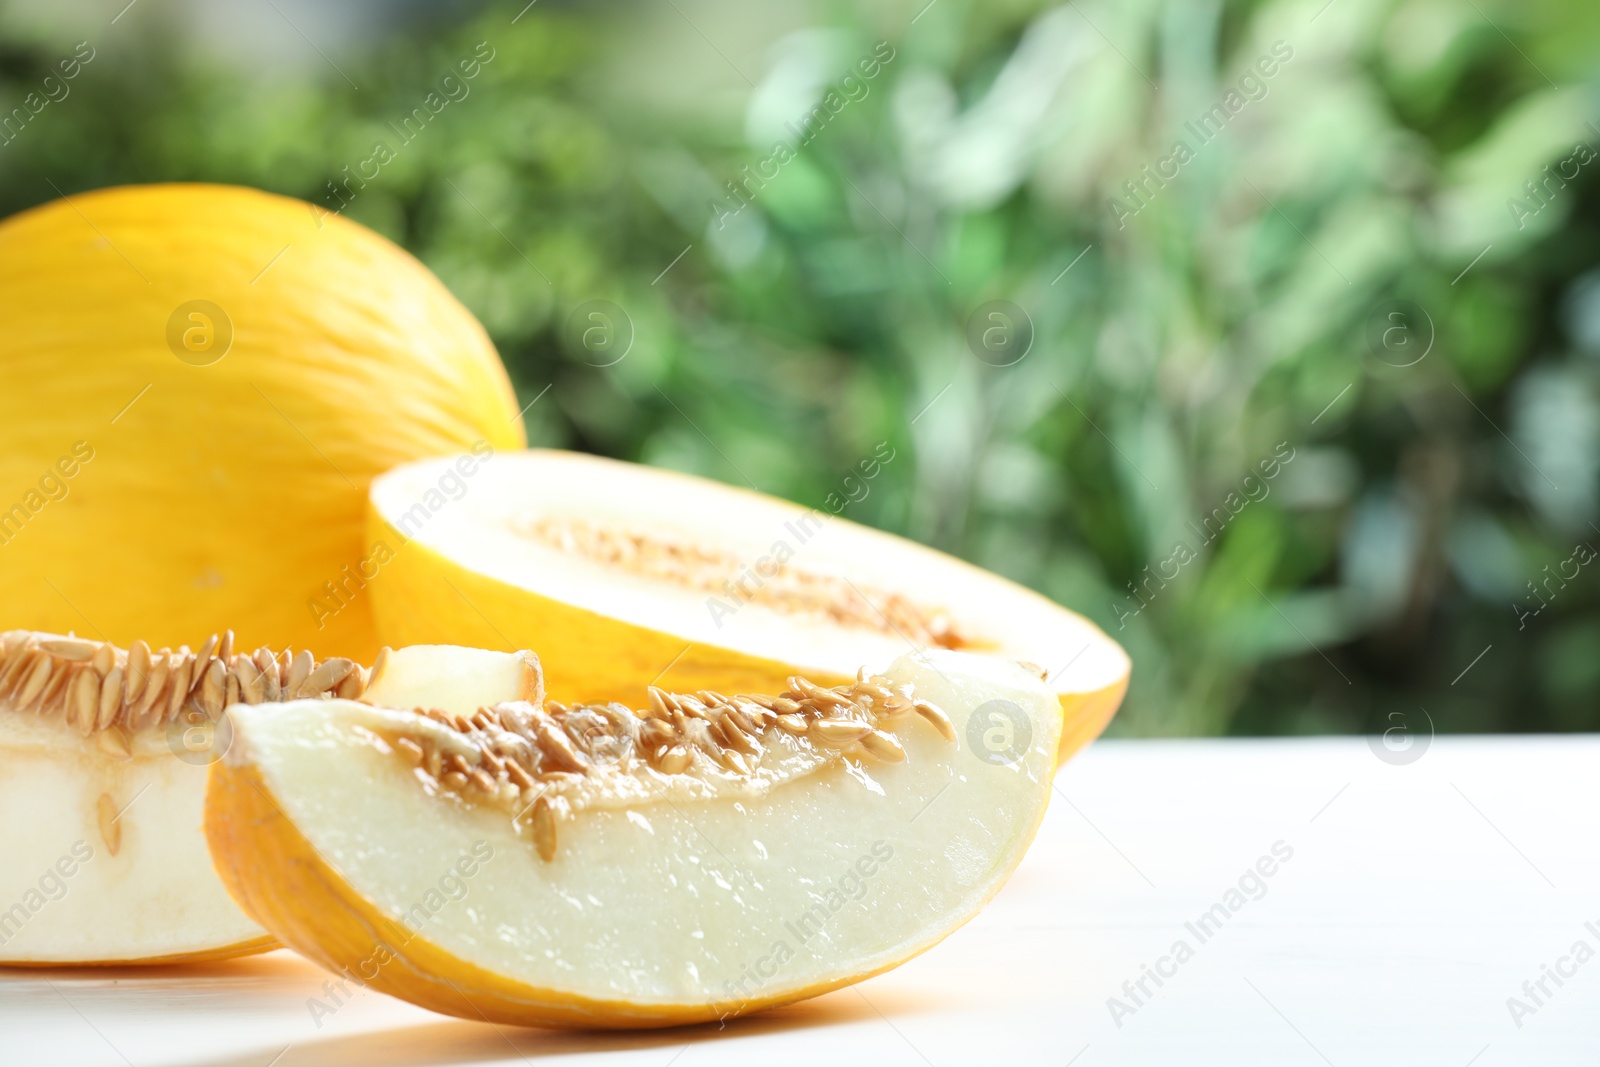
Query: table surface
[[1416, 903]]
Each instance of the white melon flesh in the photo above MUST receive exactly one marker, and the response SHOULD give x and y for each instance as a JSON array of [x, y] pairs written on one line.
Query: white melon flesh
[[661, 910], [105, 859], [451, 678]]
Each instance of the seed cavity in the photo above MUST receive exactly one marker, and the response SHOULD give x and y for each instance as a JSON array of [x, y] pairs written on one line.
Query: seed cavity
[[548, 813], [885, 746], [543, 764], [114, 743], [95, 687], [790, 590]]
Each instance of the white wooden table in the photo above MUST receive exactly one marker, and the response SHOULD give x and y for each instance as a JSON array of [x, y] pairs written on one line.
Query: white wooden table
[[1417, 900]]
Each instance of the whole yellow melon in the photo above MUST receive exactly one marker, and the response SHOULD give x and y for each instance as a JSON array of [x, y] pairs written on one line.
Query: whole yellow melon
[[199, 383]]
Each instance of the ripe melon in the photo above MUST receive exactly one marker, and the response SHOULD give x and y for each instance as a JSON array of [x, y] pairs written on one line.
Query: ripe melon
[[103, 758], [201, 381], [589, 865], [624, 576]]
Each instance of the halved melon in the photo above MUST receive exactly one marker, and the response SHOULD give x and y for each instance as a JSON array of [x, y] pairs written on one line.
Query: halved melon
[[103, 756], [623, 576], [592, 866]]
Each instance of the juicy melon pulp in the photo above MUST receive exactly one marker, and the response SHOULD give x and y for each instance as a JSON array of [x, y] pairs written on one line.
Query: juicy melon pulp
[[622, 576], [664, 897], [451, 678], [103, 766], [125, 879]]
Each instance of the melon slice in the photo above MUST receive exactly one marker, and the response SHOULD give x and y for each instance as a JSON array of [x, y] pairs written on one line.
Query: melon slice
[[103, 756], [623, 575], [588, 865]]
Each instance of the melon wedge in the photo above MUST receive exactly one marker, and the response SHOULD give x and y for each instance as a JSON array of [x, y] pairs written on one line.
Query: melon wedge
[[623, 576], [592, 866], [103, 757]]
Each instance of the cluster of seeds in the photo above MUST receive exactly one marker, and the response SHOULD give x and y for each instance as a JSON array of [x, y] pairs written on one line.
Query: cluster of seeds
[[786, 589], [539, 762], [99, 689]]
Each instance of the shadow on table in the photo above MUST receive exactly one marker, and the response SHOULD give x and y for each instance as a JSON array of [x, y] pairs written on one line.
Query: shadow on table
[[281, 978], [459, 1041]]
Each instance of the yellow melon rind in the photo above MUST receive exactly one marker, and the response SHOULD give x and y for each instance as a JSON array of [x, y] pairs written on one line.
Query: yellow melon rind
[[253, 947]]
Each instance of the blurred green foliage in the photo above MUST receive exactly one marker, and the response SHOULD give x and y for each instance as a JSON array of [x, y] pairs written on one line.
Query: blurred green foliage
[[1338, 268]]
